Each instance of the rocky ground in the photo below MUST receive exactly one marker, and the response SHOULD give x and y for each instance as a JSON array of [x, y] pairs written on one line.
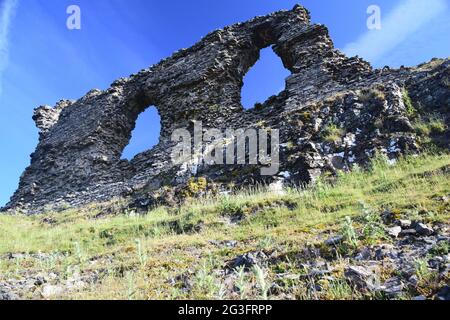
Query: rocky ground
[[418, 257], [382, 234], [418, 254]]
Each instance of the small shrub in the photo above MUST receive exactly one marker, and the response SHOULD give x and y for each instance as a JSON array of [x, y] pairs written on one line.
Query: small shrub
[[229, 208], [186, 224], [79, 252], [446, 82], [373, 229], [241, 283], [290, 145], [440, 249], [437, 125], [338, 290], [258, 106], [422, 128], [378, 94], [261, 124], [206, 283], [268, 218], [434, 125], [422, 271], [410, 109], [379, 165], [131, 286], [195, 187], [108, 235], [141, 254], [261, 280], [378, 124], [349, 233], [266, 243], [333, 133], [215, 108], [368, 95], [428, 279], [306, 116], [202, 183]]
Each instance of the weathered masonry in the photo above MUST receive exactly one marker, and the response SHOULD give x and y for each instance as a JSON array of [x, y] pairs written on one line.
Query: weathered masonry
[[78, 159]]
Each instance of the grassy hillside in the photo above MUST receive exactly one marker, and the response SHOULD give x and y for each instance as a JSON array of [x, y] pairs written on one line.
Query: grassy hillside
[[254, 244]]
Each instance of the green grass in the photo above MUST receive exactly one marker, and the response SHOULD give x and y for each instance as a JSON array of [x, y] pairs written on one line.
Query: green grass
[[434, 125], [333, 133], [139, 254], [368, 95], [410, 109]]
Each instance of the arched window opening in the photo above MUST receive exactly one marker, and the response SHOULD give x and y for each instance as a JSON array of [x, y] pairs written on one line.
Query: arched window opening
[[145, 134], [265, 79]]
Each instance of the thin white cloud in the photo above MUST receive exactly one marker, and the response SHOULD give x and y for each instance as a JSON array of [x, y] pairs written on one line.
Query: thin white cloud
[[7, 10], [397, 26]]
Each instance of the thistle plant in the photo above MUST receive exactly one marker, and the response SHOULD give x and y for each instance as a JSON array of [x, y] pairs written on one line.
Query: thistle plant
[[142, 255], [261, 281]]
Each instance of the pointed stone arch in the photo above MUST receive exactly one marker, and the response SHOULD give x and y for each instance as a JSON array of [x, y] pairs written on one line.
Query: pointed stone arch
[[266, 78]]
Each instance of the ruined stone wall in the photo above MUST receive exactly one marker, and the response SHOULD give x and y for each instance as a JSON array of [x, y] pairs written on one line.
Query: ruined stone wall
[[78, 160]]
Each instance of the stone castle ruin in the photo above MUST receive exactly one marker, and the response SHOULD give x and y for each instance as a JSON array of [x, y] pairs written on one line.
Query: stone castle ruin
[[335, 112]]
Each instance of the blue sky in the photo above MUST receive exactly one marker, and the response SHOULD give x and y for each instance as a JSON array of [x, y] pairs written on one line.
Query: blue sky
[[41, 61]]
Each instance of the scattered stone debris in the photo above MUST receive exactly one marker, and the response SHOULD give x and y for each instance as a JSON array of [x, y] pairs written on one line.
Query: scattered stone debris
[[393, 287], [423, 229], [363, 269], [182, 282], [444, 293], [249, 260], [6, 293], [334, 241], [47, 284], [404, 224], [51, 291], [226, 243], [364, 278], [394, 231]]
